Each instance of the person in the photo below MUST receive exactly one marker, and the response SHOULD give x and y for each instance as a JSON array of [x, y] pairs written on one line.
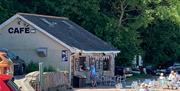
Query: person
[[174, 81], [141, 69], [171, 75], [144, 87], [170, 78], [162, 80], [161, 77], [93, 75]]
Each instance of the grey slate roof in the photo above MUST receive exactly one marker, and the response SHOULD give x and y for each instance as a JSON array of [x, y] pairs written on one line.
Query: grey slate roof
[[68, 32]]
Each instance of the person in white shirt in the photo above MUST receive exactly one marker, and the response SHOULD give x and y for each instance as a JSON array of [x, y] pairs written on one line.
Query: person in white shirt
[[162, 80], [161, 76], [174, 81], [170, 78], [144, 87], [171, 75]]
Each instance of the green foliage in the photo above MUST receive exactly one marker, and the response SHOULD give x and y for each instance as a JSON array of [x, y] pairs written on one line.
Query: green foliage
[[32, 67], [125, 39], [49, 69], [132, 16], [139, 77], [161, 42], [121, 28]]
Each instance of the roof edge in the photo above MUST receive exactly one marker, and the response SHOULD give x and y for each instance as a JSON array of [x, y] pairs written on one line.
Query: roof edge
[[101, 51], [49, 16], [8, 21]]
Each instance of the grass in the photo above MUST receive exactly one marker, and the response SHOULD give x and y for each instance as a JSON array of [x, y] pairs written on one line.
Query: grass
[[140, 76]]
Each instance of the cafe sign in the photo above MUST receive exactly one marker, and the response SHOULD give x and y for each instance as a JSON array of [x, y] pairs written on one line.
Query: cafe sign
[[20, 30], [24, 29]]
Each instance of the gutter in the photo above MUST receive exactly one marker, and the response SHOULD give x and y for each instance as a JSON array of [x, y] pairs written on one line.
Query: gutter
[[115, 52]]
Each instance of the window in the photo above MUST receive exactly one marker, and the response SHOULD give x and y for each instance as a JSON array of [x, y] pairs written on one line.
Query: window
[[64, 55], [82, 63], [106, 64], [77, 64], [42, 52], [98, 67], [96, 62]]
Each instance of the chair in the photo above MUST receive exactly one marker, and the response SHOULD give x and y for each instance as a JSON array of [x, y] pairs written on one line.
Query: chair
[[98, 79], [118, 79], [112, 80], [106, 80], [102, 80], [134, 85], [178, 83], [121, 79]]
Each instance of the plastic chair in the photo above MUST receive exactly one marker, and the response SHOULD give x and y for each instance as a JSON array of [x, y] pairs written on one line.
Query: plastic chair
[[112, 80], [102, 80], [106, 80], [123, 79], [118, 79]]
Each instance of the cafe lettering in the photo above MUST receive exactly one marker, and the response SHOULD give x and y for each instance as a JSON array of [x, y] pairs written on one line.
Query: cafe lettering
[[20, 30]]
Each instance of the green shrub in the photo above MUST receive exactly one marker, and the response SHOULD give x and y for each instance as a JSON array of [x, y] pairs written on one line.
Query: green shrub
[[32, 66], [49, 69]]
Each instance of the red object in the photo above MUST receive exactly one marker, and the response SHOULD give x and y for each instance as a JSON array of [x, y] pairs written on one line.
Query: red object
[[3, 86], [5, 77]]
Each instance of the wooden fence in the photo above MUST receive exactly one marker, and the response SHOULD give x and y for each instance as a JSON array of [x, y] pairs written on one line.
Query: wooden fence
[[50, 80]]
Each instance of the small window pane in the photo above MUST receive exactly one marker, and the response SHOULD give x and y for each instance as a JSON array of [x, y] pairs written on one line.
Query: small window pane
[[42, 52], [106, 64], [64, 55]]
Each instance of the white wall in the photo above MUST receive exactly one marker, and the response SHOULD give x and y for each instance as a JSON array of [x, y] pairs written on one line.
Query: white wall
[[25, 45]]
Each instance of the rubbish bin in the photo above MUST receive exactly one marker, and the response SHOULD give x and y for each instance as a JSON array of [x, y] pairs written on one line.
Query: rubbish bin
[[79, 81]]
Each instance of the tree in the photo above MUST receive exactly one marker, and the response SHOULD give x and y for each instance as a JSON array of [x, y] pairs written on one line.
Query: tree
[[125, 39], [132, 16], [125, 11], [119, 32], [161, 42]]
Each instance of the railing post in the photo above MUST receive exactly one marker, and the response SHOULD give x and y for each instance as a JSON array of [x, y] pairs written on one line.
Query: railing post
[[41, 76]]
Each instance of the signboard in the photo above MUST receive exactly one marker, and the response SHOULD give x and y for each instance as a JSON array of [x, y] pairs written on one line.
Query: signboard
[[20, 30], [64, 55]]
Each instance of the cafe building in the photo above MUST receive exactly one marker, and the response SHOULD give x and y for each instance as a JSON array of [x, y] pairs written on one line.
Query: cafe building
[[57, 42]]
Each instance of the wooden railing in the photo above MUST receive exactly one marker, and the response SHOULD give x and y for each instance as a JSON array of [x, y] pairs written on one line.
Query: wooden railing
[[50, 80]]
